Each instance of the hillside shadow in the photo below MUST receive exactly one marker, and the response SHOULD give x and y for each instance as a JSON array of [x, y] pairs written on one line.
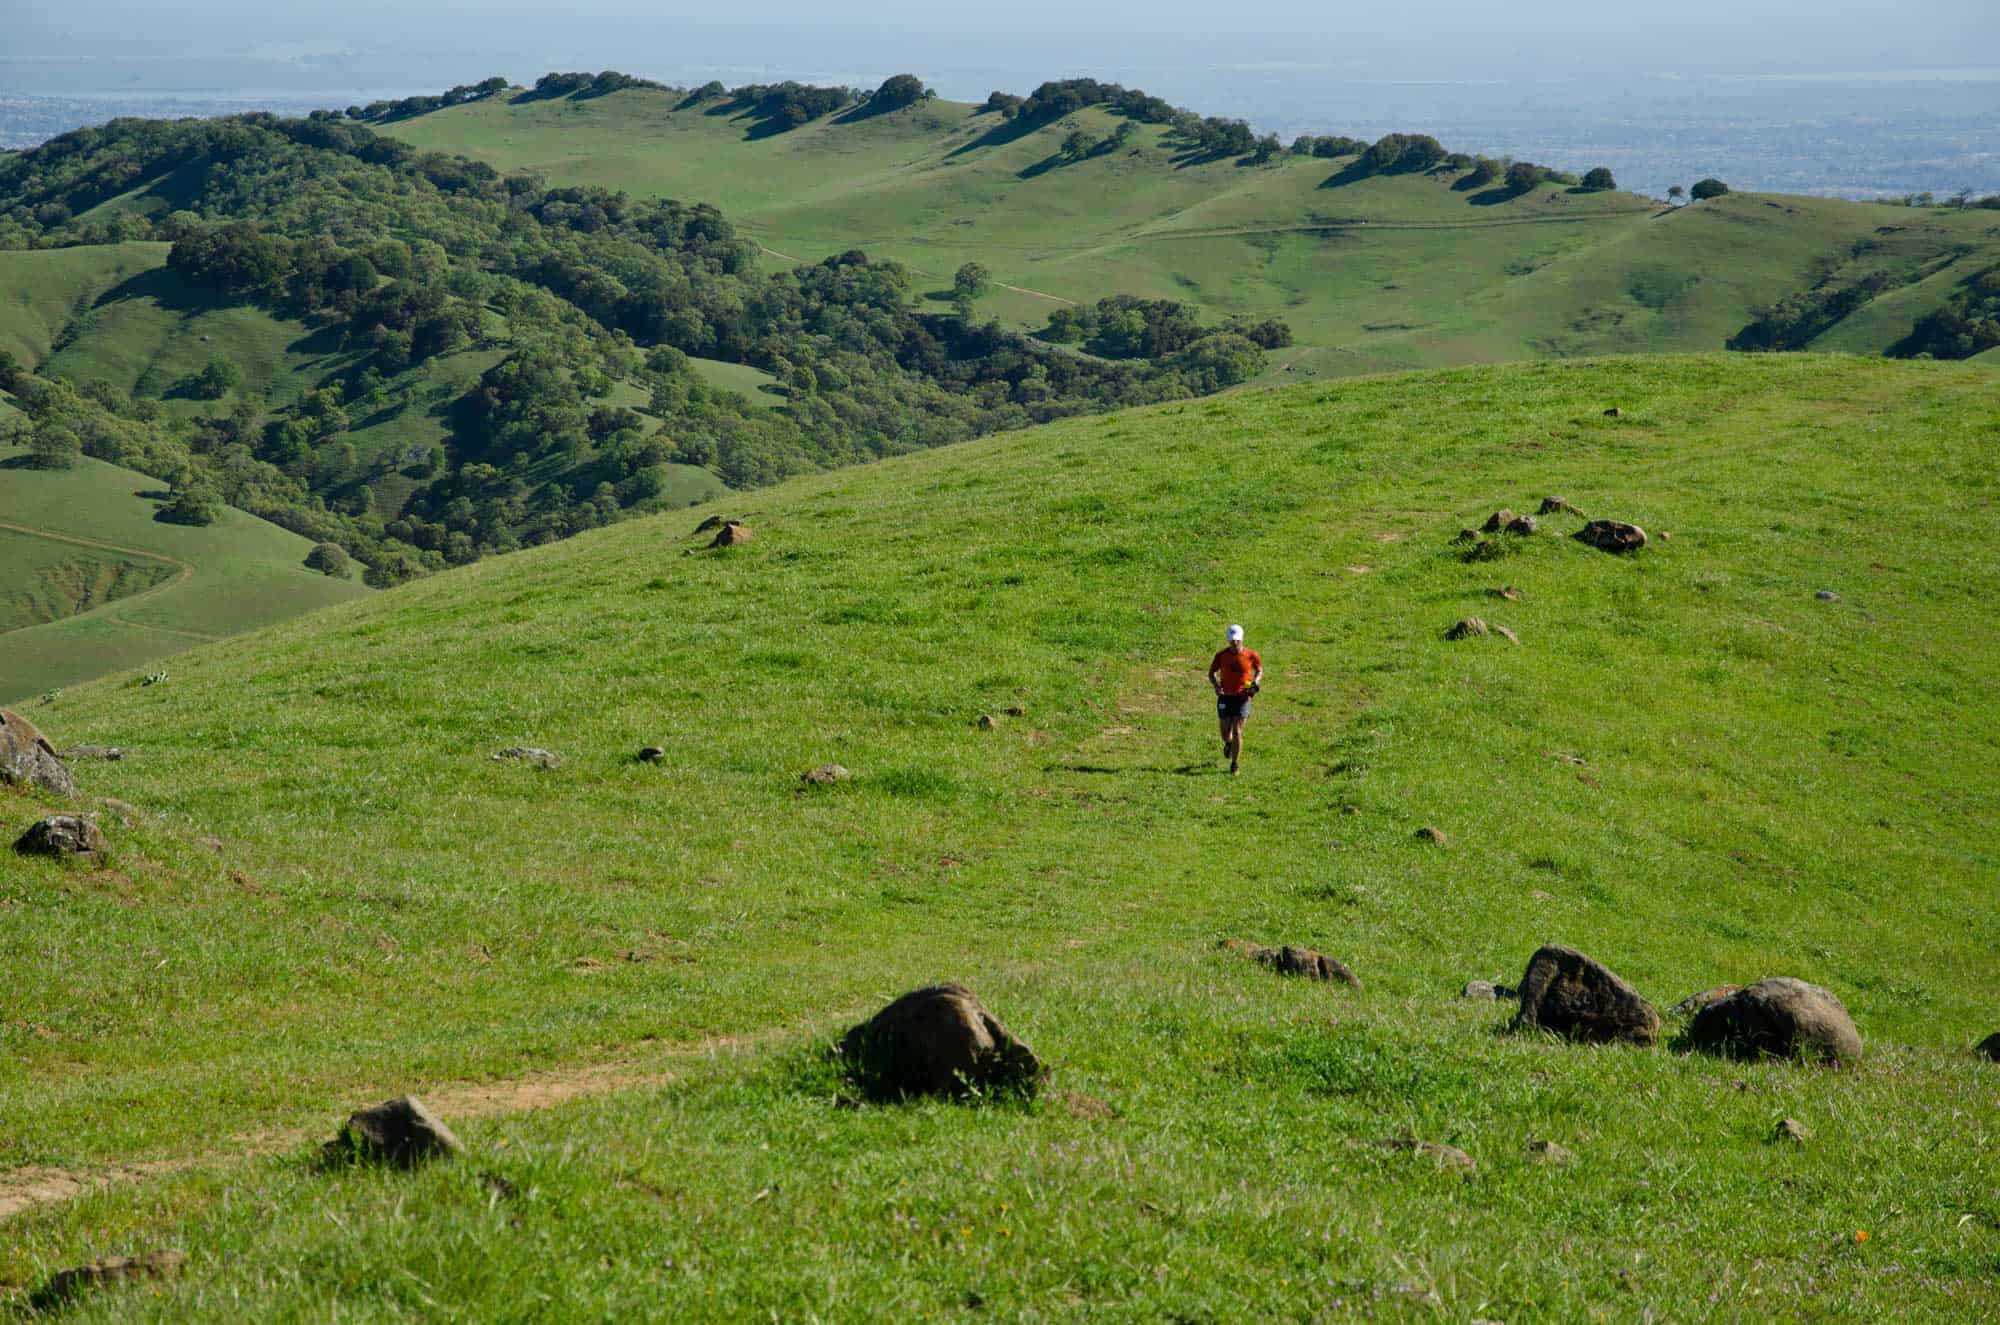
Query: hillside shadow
[[1351, 173], [1001, 134], [1493, 197], [167, 288]]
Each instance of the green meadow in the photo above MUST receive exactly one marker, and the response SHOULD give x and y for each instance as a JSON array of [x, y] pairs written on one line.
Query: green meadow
[[1373, 272], [617, 980], [94, 583]]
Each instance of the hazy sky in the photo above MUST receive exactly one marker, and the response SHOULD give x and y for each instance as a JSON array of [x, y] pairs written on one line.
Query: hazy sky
[[1408, 39]]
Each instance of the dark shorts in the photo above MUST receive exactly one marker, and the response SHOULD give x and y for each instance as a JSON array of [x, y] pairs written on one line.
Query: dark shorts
[[1230, 707]]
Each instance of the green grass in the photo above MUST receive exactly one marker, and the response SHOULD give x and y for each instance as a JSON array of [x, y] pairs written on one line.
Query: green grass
[[1774, 784], [95, 584], [1373, 273], [43, 291], [740, 378]]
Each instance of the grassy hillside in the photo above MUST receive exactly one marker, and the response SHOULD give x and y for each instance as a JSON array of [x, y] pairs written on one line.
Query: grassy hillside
[[95, 584], [1372, 271], [43, 291], [1691, 766]]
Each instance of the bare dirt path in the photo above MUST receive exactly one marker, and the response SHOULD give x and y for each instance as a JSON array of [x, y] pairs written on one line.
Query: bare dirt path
[[26, 1188]]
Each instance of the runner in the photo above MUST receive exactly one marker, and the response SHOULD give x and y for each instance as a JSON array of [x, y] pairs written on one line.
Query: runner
[[1235, 673]]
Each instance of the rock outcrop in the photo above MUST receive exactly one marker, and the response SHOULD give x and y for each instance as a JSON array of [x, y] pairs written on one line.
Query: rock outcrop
[[28, 760]]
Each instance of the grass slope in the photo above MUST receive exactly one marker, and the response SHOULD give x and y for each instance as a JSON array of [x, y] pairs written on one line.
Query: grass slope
[[1770, 783], [95, 584], [1372, 272]]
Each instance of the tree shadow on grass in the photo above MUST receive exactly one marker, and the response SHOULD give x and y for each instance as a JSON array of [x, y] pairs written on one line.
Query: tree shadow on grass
[[1007, 131], [1110, 770]]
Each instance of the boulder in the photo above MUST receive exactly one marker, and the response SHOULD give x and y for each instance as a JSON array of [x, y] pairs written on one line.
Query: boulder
[[1296, 961], [1523, 525], [1694, 1003], [1827, 596], [1444, 1156], [529, 755], [401, 1132], [28, 760], [1989, 1047], [1434, 836], [939, 1040], [731, 534], [1554, 506], [987, 722], [66, 1285], [109, 753], [1614, 413], [1568, 993], [1499, 520], [652, 754], [825, 775], [1549, 1152], [1612, 536], [1470, 628], [61, 835], [1792, 1130], [1777, 1018]]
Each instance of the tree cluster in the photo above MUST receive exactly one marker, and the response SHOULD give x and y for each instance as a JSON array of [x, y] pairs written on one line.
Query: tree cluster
[[387, 112]]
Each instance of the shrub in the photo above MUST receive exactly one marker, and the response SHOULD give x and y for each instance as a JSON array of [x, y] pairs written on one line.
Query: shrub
[[330, 559]]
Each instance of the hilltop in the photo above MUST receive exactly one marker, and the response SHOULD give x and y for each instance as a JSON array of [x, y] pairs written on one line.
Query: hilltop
[[1423, 263], [1743, 751]]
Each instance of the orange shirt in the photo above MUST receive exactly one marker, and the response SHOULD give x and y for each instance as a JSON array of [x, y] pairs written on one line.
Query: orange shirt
[[1233, 669]]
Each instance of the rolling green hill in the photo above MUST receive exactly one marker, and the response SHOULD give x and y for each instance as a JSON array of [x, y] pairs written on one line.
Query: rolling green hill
[[95, 584], [616, 978], [1372, 271]]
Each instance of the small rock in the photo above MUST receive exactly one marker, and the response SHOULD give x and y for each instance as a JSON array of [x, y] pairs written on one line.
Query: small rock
[[1499, 520], [652, 754], [1508, 592], [529, 755], [987, 722], [61, 835], [110, 753], [1445, 1156], [1296, 961], [1777, 1018], [1482, 991], [938, 1041], [1548, 1152], [825, 775], [1016, 711], [1466, 536], [1568, 993], [1555, 505], [1505, 634], [1087, 1107], [1827, 596], [1612, 536], [401, 1132], [1614, 413], [27, 758], [1470, 628], [732, 534], [1694, 1003], [1522, 525], [1790, 1129], [1434, 836], [66, 1285], [1990, 1047]]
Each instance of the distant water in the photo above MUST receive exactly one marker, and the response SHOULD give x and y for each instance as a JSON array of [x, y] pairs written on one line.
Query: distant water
[[1866, 134]]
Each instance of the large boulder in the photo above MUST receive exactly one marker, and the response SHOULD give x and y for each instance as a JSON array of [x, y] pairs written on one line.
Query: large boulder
[[402, 1132], [61, 835], [731, 534], [1288, 960], [1612, 536], [1568, 993], [28, 760], [1777, 1018], [939, 1040]]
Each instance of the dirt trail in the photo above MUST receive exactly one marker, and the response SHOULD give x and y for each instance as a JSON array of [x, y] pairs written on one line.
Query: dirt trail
[[183, 572], [37, 1185]]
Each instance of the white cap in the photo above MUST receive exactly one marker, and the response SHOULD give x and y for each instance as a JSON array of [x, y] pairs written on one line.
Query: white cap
[[1235, 634]]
